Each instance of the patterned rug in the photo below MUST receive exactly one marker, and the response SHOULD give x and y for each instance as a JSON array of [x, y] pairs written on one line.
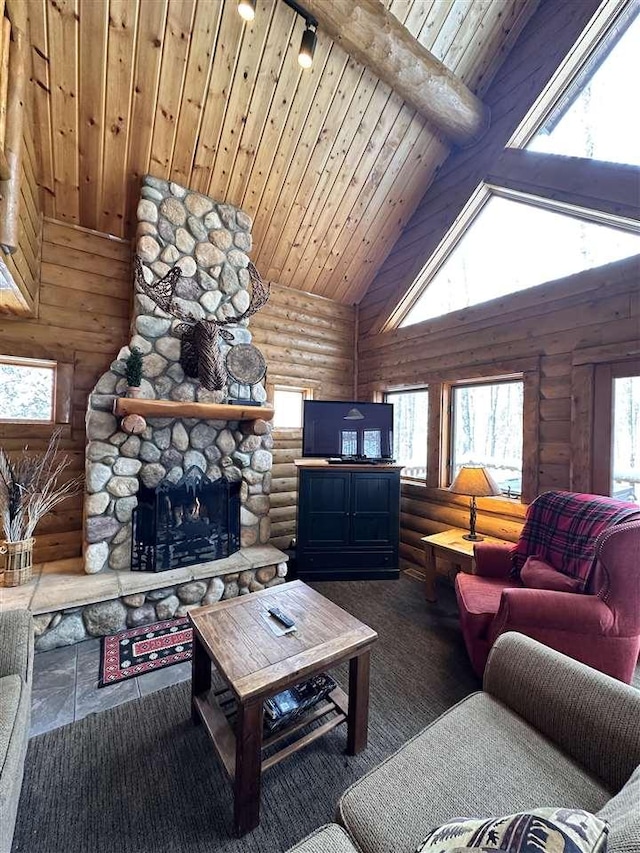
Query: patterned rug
[[139, 650]]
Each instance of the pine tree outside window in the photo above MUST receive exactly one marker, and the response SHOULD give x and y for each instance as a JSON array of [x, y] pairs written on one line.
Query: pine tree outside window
[[511, 246], [505, 241], [596, 118], [616, 430], [410, 415], [486, 429]]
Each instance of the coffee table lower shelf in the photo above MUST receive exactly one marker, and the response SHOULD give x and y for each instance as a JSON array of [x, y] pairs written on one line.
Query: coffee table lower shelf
[[223, 737]]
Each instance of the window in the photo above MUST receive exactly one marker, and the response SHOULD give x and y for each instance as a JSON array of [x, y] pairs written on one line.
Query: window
[[595, 118], [348, 442], [625, 468], [6, 279], [27, 389], [486, 429], [617, 430], [410, 413], [511, 246], [506, 241], [287, 404]]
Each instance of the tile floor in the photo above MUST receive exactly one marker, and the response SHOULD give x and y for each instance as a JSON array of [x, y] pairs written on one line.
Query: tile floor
[[65, 685]]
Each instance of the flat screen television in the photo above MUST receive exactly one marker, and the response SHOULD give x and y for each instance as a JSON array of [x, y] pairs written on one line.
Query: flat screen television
[[347, 430]]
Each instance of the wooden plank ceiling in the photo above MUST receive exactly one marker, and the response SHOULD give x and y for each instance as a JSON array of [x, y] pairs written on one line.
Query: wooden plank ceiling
[[329, 162]]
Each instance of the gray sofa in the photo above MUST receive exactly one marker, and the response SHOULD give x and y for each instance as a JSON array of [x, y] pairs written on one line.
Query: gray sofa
[[16, 669], [545, 731]]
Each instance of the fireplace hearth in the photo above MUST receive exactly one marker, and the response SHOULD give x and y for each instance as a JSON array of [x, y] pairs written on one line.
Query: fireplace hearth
[[180, 524]]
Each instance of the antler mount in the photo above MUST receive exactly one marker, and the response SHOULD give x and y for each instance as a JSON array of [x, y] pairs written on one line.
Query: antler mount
[[201, 357]]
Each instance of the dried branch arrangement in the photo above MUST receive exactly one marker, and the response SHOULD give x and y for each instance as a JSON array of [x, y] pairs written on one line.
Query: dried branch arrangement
[[29, 488]]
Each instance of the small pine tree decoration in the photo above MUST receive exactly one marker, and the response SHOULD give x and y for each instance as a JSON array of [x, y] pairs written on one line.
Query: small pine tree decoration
[[133, 368]]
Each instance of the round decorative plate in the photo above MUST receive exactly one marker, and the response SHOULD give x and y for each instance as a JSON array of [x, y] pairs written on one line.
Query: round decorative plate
[[246, 364]]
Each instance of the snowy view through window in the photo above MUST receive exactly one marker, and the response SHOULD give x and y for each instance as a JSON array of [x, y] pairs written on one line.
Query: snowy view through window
[[626, 439], [287, 409], [410, 410], [511, 246], [487, 430], [26, 392], [599, 122]]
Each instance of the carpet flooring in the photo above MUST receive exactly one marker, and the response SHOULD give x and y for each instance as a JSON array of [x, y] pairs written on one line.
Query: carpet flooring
[[140, 778]]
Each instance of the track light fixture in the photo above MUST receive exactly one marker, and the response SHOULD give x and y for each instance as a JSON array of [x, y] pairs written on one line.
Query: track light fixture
[[247, 10], [307, 47]]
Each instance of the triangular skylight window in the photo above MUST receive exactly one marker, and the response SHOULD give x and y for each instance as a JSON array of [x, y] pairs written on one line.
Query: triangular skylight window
[[511, 246], [598, 118]]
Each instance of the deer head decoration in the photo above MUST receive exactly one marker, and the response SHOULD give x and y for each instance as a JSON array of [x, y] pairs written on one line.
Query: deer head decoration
[[200, 357]]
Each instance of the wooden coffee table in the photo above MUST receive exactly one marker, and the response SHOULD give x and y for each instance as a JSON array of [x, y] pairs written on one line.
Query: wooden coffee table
[[236, 635]]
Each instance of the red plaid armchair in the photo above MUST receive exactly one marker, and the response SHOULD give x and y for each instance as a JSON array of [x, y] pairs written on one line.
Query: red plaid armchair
[[572, 582]]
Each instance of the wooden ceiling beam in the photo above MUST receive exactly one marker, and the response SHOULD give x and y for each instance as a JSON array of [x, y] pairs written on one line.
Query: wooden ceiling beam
[[609, 188], [377, 39]]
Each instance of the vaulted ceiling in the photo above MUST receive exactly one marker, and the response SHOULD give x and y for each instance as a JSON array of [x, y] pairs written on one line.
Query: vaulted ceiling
[[329, 162]]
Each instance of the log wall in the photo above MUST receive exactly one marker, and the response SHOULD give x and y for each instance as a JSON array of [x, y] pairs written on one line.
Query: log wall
[[547, 330], [83, 320], [308, 342]]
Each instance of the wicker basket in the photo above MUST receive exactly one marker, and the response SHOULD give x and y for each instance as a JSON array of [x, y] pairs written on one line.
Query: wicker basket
[[16, 561]]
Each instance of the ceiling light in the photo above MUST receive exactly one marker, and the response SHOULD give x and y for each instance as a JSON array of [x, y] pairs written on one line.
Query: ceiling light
[[307, 47], [247, 9]]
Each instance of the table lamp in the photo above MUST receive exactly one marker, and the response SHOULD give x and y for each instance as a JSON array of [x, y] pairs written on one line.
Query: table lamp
[[478, 483]]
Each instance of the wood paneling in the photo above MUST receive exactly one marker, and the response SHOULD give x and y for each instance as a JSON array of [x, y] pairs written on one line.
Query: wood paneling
[[551, 323], [308, 343], [329, 162], [83, 320]]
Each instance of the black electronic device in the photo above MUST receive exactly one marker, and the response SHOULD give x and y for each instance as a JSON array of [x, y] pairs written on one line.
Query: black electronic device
[[349, 431], [281, 617], [286, 707], [359, 460]]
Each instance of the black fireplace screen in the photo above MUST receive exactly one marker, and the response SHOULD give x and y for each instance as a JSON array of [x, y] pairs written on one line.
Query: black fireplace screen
[[192, 521]]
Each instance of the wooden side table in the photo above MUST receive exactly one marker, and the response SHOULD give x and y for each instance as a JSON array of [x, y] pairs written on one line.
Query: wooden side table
[[237, 636], [452, 546]]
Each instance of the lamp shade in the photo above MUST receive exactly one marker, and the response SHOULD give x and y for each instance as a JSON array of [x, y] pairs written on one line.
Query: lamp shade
[[474, 481]]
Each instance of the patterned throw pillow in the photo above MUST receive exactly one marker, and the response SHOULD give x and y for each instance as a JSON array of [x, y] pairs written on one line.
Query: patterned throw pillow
[[545, 830]]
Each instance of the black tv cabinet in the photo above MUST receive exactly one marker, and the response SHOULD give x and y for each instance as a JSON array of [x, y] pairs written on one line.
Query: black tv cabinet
[[348, 521]]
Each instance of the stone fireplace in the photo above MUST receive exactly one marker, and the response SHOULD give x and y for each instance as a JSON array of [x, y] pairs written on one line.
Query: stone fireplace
[[209, 242]]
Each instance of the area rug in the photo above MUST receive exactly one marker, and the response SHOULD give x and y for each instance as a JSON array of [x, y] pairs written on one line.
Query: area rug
[[142, 778], [139, 650]]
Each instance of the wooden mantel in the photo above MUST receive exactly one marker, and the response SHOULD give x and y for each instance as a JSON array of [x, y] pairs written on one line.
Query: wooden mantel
[[205, 411]]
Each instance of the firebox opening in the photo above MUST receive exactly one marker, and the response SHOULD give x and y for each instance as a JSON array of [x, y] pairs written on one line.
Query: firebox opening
[[179, 524]]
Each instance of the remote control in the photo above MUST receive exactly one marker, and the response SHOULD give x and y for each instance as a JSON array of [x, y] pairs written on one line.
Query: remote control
[[281, 617]]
